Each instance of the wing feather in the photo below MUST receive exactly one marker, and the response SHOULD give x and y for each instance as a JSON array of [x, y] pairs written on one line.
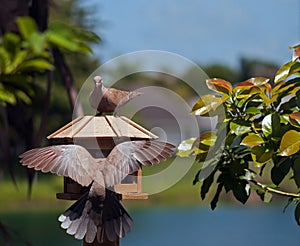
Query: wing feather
[[124, 159], [72, 161]]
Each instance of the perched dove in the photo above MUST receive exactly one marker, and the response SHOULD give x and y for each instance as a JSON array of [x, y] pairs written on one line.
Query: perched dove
[[99, 210], [108, 100]]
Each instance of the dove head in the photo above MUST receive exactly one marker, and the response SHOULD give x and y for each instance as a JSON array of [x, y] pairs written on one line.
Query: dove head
[[98, 81]]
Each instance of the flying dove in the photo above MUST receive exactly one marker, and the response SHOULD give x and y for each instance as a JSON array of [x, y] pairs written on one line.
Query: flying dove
[[109, 99], [99, 210]]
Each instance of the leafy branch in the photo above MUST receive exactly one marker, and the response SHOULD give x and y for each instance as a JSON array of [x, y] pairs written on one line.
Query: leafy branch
[[278, 192], [258, 124]]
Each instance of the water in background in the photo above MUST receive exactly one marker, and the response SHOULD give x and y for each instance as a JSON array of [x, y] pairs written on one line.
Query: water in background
[[232, 226]]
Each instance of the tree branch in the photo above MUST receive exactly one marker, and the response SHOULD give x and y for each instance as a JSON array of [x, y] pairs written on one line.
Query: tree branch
[[278, 192]]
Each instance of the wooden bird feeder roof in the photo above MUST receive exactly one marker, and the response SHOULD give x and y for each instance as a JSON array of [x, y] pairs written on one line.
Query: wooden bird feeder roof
[[103, 129]]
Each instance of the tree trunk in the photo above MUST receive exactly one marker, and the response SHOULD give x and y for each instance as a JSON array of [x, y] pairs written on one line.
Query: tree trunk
[[68, 80]]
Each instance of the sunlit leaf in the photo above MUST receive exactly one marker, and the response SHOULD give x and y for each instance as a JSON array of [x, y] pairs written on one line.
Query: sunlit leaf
[[267, 125], [290, 143], [219, 85], [252, 140], [238, 129], [205, 104], [258, 81], [185, 148], [207, 138], [286, 70]]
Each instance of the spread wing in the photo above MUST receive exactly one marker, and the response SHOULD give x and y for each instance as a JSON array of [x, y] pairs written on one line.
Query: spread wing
[[71, 161], [126, 157]]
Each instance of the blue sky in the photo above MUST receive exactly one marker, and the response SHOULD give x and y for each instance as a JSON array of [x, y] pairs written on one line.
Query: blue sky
[[202, 31]]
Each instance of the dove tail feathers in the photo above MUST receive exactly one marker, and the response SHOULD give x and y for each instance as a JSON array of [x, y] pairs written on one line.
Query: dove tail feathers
[[96, 217]]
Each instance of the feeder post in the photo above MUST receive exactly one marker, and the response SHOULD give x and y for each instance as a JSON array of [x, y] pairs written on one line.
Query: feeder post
[[106, 242]]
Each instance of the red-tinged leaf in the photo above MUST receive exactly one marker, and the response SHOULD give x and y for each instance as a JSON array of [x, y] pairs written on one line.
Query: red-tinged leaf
[[295, 116], [219, 85], [245, 84], [259, 81]]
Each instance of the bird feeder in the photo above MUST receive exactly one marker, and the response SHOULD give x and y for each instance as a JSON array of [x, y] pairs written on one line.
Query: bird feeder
[[99, 135]]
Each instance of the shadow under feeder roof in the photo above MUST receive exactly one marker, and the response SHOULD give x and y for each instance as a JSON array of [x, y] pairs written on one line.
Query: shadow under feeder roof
[[99, 135]]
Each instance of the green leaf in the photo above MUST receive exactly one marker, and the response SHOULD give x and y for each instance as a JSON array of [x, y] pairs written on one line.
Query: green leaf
[[38, 43], [23, 97], [207, 184], [220, 86], [280, 170], [265, 196], [297, 214], [276, 128], [11, 42], [37, 64], [215, 199], [185, 148], [70, 38], [252, 110], [252, 140], [241, 190], [27, 26], [296, 170], [261, 155], [206, 138], [290, 143], [6, 97], [206, 104], [18, 59], [62, 40], [238, 129]]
